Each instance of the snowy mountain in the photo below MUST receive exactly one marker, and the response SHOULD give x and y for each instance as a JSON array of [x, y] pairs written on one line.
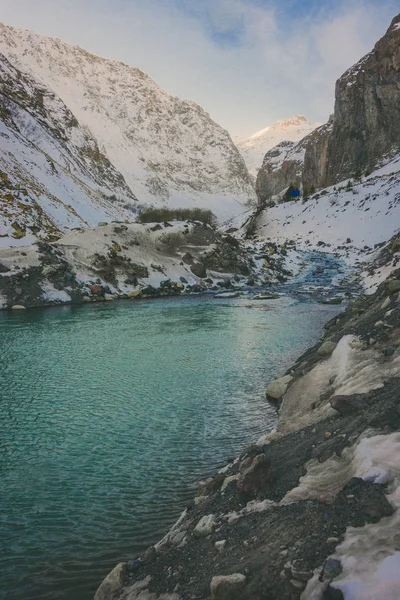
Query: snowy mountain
[[90, 139], [52, 173], [254, 148]]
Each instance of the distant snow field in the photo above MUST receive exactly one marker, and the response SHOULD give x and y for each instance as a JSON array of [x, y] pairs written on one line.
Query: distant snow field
[[254, 148]]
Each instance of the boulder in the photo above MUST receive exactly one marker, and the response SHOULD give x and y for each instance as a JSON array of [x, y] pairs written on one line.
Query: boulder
[[227, 587], [187, 258], [96, 289], [326, 349], [18, 307], [4, 269], [255, 476], [346, 405], [111, 583], [199, 270], [277, 389], [393, 286], [205, 526], [134, 294]]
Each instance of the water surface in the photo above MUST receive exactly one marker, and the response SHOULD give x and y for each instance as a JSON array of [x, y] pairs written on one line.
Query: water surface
[[110, 414]]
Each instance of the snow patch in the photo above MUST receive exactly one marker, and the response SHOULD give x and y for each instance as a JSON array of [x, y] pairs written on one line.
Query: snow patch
[[370, 555]]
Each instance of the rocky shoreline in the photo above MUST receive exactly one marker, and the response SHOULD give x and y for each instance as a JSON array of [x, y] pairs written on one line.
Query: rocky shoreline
[[292, 516], [133, 261], [122, 261]]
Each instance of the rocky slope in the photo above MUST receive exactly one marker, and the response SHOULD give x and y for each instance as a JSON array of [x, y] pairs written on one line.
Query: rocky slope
[[116, 123], [363, 129], [310, 512], [130, 260], [254, 148], [53, 175]]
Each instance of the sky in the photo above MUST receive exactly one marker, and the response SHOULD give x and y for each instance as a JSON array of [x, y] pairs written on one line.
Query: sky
[[247, 62]]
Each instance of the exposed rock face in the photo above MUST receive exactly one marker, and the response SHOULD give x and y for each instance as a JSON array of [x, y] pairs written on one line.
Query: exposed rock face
[[282, 166], [367, 111], [364, 128], [316, 157]]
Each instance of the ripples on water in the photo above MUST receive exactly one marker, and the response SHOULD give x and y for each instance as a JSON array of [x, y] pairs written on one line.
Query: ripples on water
[[110, 414]]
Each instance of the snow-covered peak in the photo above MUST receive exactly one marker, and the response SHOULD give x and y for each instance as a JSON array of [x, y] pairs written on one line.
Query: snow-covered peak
[[254, 148], [168, 150]]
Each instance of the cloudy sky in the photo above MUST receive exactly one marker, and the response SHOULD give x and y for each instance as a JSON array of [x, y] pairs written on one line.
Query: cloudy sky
[[247, 62]]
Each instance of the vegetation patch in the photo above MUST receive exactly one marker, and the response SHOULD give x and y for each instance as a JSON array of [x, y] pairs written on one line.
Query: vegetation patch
[[161, 215]]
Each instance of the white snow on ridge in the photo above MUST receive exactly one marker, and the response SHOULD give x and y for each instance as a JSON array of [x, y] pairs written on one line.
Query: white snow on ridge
[[254, 148], [168, 150]]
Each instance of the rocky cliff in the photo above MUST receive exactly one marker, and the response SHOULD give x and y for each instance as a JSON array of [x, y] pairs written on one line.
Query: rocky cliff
[[282, 166], [365, 126], [366, 123]]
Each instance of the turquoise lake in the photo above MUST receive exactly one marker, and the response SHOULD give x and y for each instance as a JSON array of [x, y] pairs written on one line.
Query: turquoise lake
[[111, 413]]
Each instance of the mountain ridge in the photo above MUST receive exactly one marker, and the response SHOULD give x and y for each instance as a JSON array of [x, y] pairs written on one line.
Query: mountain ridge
[[162, 150], [254, 148]]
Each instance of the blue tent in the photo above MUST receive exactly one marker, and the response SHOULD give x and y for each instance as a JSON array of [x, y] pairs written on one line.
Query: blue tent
[[294, 193]]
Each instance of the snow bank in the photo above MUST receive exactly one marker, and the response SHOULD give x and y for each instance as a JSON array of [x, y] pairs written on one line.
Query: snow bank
[[370, 555]]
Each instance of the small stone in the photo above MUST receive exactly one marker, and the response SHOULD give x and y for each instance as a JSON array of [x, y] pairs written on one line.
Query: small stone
[[18, 307], [332, 568], [327, 434], [205, 526], [379, 324], [134, 294], [300, 571], [332, 540], [108, 297], [385, 303], [220, 545], [388, 313], [326, 349], [227, 587]]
